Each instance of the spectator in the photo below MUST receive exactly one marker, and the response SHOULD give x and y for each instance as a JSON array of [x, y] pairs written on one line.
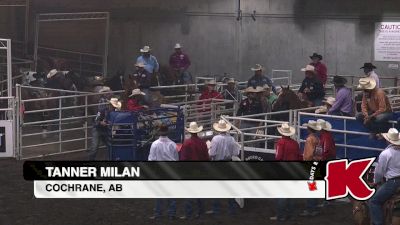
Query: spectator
[[344, 104], [311, 88], [179, 63], [134, 101], [376, 109], [270, 96], [232, 93], [369, 72], [207, 95], [150, 62], [327, 141], [164, 149], [320, 69], [258, 80], [194, 149]]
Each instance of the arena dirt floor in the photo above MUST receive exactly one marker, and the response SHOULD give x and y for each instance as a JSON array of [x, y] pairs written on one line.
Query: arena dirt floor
[[18, 206]]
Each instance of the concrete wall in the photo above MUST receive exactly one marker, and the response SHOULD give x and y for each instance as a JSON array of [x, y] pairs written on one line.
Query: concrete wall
[[284, 34]]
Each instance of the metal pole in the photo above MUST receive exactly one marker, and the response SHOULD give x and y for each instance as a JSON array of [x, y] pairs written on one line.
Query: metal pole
[[345, 137], [9, 76], [35, 54], [17, 125], [266, 130], [59, 124], [86, 122], [26, 27], [242, 140], [105, 60]]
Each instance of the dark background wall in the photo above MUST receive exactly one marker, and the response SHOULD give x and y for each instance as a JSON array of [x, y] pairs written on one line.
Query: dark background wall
[[284, 34]]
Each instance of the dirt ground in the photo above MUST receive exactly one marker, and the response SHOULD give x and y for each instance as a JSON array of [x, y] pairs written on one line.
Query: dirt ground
[[18, 206]]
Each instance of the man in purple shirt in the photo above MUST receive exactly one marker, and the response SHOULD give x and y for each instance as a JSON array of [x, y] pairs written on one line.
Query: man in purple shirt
[[343, 105], [179, 63]]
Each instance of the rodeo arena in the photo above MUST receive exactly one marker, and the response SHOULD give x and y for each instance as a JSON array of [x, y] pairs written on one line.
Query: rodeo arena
[[68, 104]]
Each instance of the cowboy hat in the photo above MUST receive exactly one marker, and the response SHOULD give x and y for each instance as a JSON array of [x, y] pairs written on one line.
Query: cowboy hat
[[211, 82], [325, 125], [308, 68], [286, 130], [321, 110], [253, 90], [136, 92], [194, 128], [338, 80], [392, 136], [145, 49], [115, 103], [313, 125], [177, 45], [52, 73], [257, 68], [221, 126], [104, 89], [316, 55], [366, 83], [368, 66], [266, 87], [330, 100], [140, 64]]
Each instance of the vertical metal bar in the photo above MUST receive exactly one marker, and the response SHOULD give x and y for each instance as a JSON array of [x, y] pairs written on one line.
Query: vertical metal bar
[[266, 131], [105, 60], [59, 124], [17, 125], [345, 137], [242, 140], [35, 54], [86, 122]]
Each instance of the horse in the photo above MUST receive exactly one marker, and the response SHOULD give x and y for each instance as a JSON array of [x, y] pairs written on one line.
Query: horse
[[287, 99], [167, 77]]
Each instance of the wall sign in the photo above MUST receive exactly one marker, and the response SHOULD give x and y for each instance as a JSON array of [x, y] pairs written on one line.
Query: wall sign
[[387, 41]]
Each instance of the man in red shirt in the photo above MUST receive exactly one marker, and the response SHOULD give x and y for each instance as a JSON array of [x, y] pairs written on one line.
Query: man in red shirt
[[326, 140], [193, 149], [133, 103], [287, 149], [209, 93], [320, 68]]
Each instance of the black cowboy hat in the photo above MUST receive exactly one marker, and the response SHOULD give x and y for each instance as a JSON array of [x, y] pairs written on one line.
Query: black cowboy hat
[[368, 66], [338, 80], [316, 55]]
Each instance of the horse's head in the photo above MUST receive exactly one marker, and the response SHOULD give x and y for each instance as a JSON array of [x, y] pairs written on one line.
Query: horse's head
[[284, 99]]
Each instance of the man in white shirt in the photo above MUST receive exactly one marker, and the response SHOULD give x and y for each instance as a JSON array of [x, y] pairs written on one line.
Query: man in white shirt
[[369, 72], [164, 149], [389, 168]]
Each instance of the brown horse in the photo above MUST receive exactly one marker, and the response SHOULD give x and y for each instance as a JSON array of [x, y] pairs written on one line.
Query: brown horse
[[287, 99]]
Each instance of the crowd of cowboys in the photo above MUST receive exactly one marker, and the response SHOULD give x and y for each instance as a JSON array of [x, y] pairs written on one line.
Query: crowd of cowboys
[[261, 95]]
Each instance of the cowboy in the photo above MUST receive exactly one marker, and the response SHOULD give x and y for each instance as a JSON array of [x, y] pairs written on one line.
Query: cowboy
[[287, 149], [99, 130], [327, 141], [223, 148], [269, 96], [208, 94], [369, 72], [194, 149], [179, 63], [312, 151], [150, 61], [258, 80], [164, 149], [388, 169], [320, 69], [142, 78], [311, 87], [343, 104], [328, 102], [375, 107], [134, 101], [232, 93]]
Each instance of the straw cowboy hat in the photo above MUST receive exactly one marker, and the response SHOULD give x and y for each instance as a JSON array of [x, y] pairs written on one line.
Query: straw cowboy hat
[[115, 103], [338, 80], [194, 128], [321, 110], [145, 49], [325, 125], [211, 82], [286, 130], [253, 90], [177, 46], [392, 136], [221, 126], [257, 68], [366, 83], [52, 73], [308, 68], [313, 125], [316, 55], [136, 92], [104, 89], [368, 66], [140, 64], [330, 100]]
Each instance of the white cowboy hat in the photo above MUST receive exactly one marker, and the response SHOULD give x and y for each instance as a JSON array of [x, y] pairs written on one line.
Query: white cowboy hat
[[104, 89], [136, 92], [52, 73], [221, 126], [194, 128], [308, 68], [266, 87], [253, 90], [366, 83], [313, 125], [211, 82], [145, 49], [177, 45], [140, 64], [321, 109], [114, 102], [392, 136], [286, 130], [325, 125], [257, 68], [330, 100]]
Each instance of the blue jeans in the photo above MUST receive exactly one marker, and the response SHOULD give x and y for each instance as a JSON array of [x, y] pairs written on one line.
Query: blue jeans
[[232, 205], [284, 208], [378, 124], [384, 193], [171, 207], [98, 134], [189, 207]]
